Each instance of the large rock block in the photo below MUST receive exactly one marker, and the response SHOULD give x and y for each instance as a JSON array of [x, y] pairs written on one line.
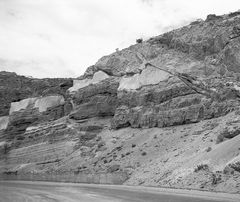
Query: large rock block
[[22, 105], [99, 105], [19, 121], [97, 77], [149, 76], [121, 118], [40, 103], [153, 94], [47, 102], [95, 100], [33, 111], [108, 86], [181, 111]]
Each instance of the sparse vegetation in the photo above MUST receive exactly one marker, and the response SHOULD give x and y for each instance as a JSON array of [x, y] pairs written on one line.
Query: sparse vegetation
[[208, 149], [233, 14], [139, 40], [201, 167], [220, 138], [113, 168], [235, 166], [216, 178]]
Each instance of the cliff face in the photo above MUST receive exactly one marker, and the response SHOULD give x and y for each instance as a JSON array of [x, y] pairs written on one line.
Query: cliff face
[[14, 88], [161, 112]]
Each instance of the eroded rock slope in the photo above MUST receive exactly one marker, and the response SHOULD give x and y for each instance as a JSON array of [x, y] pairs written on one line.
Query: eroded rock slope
[[164, 112]]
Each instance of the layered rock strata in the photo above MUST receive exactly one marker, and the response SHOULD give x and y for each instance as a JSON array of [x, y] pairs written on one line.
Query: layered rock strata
[[164, 112]]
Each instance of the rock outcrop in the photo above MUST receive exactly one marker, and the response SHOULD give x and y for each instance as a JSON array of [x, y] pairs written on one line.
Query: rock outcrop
[[233, 165], [14, 88], [96, 99], [32, 111], [97, 77], [162, 112]]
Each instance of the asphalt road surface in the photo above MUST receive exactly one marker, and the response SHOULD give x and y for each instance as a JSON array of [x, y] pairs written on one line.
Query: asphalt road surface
[[19, 191]]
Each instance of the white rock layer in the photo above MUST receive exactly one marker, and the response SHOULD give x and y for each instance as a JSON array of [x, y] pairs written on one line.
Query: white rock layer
[[97, 77], [42, 103], [23, 104], [50, 101], [149, 76]]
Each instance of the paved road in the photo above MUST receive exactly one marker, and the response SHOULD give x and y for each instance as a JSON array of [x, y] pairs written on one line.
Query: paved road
[[12, 191]]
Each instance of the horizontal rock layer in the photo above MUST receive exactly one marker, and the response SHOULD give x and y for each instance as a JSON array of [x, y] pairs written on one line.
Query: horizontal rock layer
[[173, 98]]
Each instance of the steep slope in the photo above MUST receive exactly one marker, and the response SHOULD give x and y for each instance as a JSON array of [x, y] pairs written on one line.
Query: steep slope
[[164, 112]]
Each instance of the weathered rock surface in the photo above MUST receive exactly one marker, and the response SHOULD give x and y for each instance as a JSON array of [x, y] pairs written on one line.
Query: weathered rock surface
[[3, 122], [33, 111], [164, 115], [234, 164], [174, 100], [97, 77], [44, 103], [94, 100], [148, 76], [99, 105], [14, 88]]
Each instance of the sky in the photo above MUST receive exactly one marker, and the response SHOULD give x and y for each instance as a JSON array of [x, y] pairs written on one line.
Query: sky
[[61, 38]]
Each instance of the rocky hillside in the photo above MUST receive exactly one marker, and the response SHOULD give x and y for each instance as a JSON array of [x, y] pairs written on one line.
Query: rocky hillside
[[14, 88], [163, 112]]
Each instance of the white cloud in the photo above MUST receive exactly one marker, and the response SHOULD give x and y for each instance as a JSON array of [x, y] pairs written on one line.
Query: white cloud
[[61, 38]]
